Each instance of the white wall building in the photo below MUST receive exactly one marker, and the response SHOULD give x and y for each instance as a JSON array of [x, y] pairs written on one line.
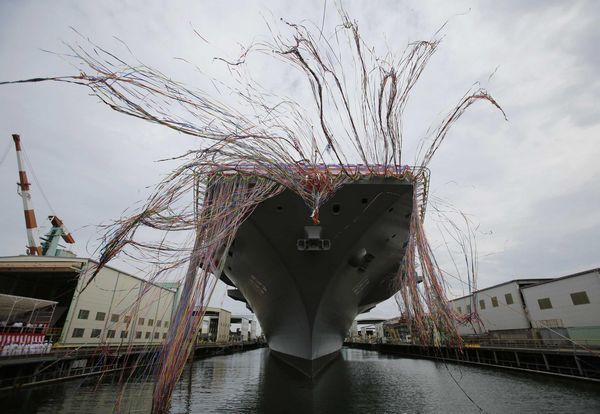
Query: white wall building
[[565, 308], [380, 332], [568, 305], [215, 325], [497, 308], [113, 308], [117, 308], [242, 325], [253, 324]]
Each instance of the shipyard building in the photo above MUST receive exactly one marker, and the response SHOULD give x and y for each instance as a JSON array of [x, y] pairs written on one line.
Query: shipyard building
[[114, 308], [215, 325], [557, 310], [52, 298]]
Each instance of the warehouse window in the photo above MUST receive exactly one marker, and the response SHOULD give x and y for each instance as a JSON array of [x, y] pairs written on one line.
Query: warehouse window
[[158, 323], [114, 317], [78, 333], [509, 299], [580, 298], [494, 301], [123, 334], [141, 321], [469, 309], [127, 319], [545, 303], [150, 322], [482, 304], [110, 333], [83, 314], [96, 333], [155, 335], [459, 309], [138, 335], [164, 336], [100, 316], [147, 335], [166, 324]]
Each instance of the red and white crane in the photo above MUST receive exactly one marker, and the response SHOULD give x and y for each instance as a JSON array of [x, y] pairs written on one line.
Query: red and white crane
[[33, 239], [58, 230]]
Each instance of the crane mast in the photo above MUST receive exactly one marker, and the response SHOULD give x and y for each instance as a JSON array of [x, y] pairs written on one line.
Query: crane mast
[[50, 245], [33, 240]]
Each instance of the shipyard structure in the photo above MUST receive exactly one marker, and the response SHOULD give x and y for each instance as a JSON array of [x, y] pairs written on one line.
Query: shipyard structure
[[50, 299], [115, 308], [548, 326], [558, 311], [54, 325]]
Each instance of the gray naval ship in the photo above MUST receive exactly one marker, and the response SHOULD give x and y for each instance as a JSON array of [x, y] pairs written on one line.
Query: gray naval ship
[[307, 283]]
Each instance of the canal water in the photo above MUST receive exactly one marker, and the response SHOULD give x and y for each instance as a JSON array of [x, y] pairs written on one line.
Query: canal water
[[357, 382]]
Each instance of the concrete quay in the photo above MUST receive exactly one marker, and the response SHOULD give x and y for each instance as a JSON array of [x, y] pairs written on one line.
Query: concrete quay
[[581, 364], [23, 371]]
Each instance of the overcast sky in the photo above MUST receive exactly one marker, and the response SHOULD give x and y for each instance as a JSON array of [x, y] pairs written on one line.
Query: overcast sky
[[531, 184]]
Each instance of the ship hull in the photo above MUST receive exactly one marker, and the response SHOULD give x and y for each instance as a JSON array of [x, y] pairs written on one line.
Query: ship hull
[[306, 300]]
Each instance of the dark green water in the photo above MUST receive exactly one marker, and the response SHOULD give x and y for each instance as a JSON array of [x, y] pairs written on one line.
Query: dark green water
[[358, 382]]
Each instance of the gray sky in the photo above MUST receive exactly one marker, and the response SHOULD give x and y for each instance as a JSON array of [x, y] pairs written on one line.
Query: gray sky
[[531, 184]]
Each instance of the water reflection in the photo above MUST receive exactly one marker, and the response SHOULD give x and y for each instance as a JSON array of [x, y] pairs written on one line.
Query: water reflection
[[285, 390], [80, 396], [363, 381], [356, 382]]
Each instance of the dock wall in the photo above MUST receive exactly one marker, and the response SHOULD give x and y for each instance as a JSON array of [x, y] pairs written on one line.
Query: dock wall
[[26, 371], [577, 364]]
